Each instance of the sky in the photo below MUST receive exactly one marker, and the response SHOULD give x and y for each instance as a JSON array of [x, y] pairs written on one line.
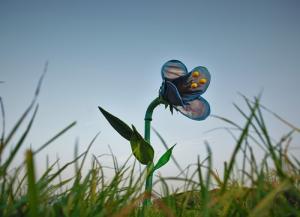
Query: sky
[[110, 53]]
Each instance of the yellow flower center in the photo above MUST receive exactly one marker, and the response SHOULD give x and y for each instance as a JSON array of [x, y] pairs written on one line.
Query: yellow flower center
[[202, 81], [194, 85], [195, 74]]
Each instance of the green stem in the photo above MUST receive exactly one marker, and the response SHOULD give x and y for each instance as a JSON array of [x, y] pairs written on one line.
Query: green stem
[[148, 119]]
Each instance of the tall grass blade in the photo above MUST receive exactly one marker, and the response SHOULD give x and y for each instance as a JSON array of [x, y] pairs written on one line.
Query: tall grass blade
[[32, 189], [263, 207], [24, 115], [55, 137], [275, 115], [3, 128], [18, 145], [243, 135]]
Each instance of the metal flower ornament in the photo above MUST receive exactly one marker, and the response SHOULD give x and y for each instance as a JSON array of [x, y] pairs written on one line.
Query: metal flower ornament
[[180, 90]]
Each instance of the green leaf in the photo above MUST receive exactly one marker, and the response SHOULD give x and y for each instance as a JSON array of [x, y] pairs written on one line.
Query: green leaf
[[122, 128], [141, 149], [164, 158]]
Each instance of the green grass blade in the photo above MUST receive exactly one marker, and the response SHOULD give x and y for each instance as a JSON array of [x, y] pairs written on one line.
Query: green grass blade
[[24, 115], [244, 133], [3, 127], [32, 189], [87, 150], [276, 115], [18, 145], [17, 125], [55, 137]]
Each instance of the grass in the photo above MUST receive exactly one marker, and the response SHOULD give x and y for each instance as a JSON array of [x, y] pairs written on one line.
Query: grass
[[266, 188]]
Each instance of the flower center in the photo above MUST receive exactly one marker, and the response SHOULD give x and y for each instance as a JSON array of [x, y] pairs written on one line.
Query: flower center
[[194, 85], [195, 74], [202, 81]]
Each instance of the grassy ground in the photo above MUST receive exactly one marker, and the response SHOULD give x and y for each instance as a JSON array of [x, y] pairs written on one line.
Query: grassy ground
[[266, 188]]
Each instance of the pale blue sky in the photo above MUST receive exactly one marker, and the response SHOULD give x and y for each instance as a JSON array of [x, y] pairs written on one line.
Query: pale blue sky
[[110, 53]]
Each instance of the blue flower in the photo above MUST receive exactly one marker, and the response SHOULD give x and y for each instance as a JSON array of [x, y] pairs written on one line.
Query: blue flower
[[182, 89]]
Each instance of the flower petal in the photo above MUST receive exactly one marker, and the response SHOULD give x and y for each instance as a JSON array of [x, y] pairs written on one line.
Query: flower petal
[[191, 86], [197, 109], [173, 69], [170, 93]]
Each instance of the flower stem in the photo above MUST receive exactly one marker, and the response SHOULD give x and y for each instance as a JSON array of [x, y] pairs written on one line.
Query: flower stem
[[148, 119]]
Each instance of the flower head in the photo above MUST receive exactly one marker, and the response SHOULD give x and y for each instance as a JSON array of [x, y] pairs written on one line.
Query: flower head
[[182, 89]]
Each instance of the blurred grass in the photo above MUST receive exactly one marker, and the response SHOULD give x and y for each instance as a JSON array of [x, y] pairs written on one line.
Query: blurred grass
[[266, 188]]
